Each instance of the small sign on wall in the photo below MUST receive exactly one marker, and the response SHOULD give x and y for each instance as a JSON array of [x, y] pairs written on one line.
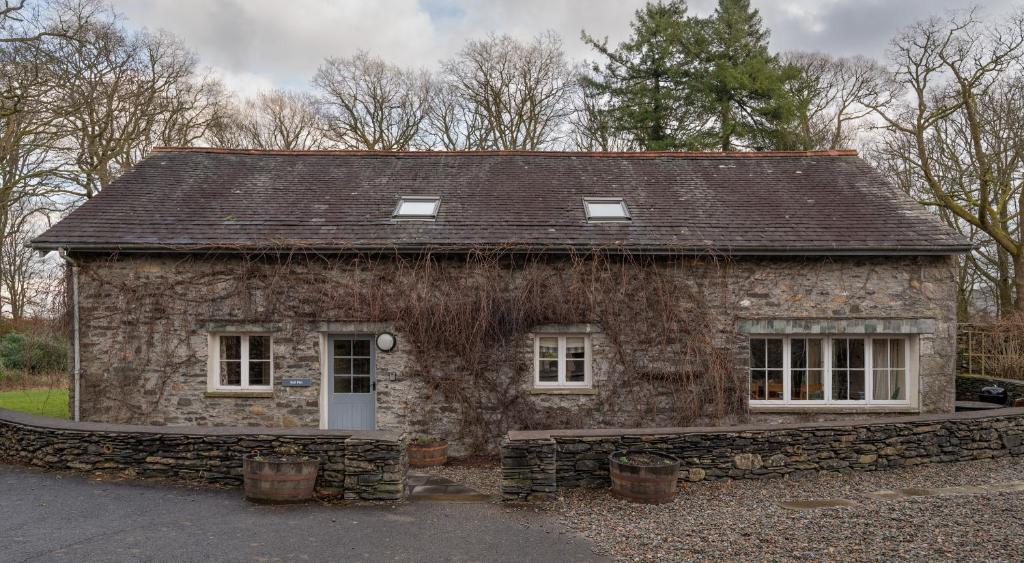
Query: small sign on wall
[[296, 382]]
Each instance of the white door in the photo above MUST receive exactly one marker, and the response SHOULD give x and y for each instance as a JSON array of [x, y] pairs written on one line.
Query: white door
[[351, 385]]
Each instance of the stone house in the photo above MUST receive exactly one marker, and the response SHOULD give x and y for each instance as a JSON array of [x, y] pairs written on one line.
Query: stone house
[[465, 294]]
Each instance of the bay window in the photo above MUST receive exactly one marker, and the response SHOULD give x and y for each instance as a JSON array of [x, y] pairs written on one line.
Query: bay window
[[827, 370]]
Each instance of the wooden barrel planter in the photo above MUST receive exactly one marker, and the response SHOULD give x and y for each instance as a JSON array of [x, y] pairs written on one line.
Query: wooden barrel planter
[[275, 479], [643, 476], [426, 454]]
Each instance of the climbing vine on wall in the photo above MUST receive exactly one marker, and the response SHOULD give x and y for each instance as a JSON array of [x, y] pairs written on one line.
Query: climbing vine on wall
[[465, 318]]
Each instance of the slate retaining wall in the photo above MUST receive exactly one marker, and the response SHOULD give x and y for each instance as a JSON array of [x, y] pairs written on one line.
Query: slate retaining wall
[[361, 465], [968, 386], [536, 464]]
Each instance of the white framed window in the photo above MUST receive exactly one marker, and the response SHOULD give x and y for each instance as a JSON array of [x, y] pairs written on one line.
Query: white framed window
[[561, 360], [241, 362], [842, 370], [417, 207]]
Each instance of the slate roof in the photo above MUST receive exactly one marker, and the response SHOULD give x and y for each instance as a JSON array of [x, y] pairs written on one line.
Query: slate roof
[[741, 203]]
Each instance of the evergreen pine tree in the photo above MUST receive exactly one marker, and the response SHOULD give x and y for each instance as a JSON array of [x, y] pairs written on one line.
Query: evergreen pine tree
[[681, 82], [743, 84], [645, 78]]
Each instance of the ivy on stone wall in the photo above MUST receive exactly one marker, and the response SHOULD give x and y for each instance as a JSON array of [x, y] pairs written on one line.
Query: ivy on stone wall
[[465, 317]]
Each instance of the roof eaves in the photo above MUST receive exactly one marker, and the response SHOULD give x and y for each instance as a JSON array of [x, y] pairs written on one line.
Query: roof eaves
[[932, 250]]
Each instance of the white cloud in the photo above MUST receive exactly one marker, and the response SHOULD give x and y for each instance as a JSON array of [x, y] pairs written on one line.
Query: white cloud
[[254, 44]]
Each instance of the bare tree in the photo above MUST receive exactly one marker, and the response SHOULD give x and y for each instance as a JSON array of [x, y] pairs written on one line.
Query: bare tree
[[370, 104], [960, 137], [122, 91], [23, 23], [191, 112], [521, 94], [452, 122], [23, 272], [591, 126], [273, 120], [29, 131], [830, 96]]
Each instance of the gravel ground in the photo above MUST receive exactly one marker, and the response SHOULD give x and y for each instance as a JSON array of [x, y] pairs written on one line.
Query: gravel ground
[[483, 478], [741, 520]]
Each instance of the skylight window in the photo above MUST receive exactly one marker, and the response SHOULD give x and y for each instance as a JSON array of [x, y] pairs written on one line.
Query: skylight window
[[417, 208], [606, 209]]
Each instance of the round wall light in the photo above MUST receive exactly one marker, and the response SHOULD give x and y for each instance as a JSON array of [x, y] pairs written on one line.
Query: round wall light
[[386, 342]]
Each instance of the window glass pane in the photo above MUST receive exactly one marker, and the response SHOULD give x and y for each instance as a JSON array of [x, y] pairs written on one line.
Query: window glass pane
[[259, 348], [857, 353], [897, 385], [848, 383], [775, 353], [816, 385], [342, 366], [342, 384], [259, 372], [798, 353], [880, 353], [417, 207], [815, 359], [881, 385], [575, 371], [840, 353], [361, 366], [548, 371], [575, 349], [857, 385], [549, 348], [342, 347], [897, 353], [606, 209], [798, 384], [230, 347], [230, 372], [758, 385], [361, 348], [360, 384], [757, 353], [775, 389], [880, 361], [840, 385], [806, 364]]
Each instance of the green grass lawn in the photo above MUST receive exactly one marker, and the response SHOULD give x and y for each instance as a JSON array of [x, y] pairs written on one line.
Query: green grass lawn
[[45, 402]]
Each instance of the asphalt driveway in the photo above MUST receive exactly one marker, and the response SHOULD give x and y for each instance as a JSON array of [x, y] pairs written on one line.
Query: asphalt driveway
[[50, 517]]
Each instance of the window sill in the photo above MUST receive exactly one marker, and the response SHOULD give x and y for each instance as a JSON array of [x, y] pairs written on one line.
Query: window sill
[[562, 391], [242, 394], [836, 409]]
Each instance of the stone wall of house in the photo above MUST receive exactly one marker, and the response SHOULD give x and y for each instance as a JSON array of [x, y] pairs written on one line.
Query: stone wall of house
[[153, 370], [968, 386], [536, 464], [360, 465]]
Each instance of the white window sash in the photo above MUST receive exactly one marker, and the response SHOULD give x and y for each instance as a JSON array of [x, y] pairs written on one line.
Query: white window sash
[[244, 363], [827, 372], [562, 362]]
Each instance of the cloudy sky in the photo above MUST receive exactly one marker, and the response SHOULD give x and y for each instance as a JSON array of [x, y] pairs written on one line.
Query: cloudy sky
[[259, 44]]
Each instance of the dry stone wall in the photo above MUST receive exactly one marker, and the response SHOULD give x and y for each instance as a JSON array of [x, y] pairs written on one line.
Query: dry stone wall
[[536, 464], [363, 465]]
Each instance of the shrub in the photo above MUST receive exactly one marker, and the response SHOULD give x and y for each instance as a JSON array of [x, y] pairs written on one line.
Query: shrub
[[33, 353]]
